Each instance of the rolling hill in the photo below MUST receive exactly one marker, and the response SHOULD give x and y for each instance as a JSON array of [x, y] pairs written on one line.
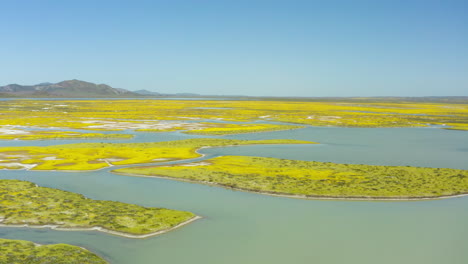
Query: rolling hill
[[70, 88]]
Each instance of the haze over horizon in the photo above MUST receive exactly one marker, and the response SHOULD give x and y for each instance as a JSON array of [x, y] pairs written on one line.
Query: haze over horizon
[[258, 48]]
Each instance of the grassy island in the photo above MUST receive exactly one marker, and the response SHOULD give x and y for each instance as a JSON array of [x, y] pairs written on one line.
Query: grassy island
[[311, 179], [23, 203], [93, 156], [21, 252]]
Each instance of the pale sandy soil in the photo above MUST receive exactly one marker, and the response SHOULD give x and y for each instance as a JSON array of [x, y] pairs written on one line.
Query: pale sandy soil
[[11, 131], [99, 124]]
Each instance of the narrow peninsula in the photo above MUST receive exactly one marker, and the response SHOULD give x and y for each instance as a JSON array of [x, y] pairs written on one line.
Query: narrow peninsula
[[315, 180], [24, 204], [232, 129]]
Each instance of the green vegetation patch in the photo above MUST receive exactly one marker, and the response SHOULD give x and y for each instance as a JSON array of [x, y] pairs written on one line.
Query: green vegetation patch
[[21, 252], [25, 203], [316, 179], [92, 156]]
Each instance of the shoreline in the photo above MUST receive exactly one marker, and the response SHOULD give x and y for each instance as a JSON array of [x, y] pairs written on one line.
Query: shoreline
[[104, 230], [303, 197]]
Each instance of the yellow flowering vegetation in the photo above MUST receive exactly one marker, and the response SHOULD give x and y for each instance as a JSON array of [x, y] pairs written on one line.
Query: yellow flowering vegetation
[[16, 134], [21, 252], [228, 129], [23, 202], [457, 126], [309, 179], [188, 115], [93, 156]]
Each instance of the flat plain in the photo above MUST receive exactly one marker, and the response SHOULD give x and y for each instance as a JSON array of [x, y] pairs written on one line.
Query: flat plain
[[205, 124]]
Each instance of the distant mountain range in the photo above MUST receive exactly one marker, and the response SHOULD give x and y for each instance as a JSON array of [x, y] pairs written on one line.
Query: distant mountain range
[[71, 88], [149, 93], [146, 92], [77, 88], [82, 89]]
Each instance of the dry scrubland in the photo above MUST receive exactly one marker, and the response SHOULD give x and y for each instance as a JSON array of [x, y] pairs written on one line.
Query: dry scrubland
[[187, 115], [25, 252], [93, 156], [315, 179], [24, 203]]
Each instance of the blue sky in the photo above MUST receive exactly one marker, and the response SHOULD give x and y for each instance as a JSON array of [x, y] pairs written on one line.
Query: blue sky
[[254, 47]]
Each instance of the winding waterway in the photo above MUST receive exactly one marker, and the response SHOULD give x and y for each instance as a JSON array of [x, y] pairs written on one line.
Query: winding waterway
[[239, 227]]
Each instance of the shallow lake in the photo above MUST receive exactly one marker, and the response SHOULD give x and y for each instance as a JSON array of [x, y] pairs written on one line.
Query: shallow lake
[[239, 227]]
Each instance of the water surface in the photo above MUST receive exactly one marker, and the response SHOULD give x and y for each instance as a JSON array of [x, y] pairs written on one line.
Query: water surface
[[243, 227]]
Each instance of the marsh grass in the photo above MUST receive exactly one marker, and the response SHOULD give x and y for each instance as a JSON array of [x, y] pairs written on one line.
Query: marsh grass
[[146, 115], [24, 203], [93, 156], [316, 179], [25, 252]]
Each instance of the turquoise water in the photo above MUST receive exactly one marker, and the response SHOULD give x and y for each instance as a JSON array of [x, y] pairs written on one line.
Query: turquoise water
[[243, 227]]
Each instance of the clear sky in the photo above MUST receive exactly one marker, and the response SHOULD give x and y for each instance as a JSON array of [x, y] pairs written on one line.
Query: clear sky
[[248, 47]]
